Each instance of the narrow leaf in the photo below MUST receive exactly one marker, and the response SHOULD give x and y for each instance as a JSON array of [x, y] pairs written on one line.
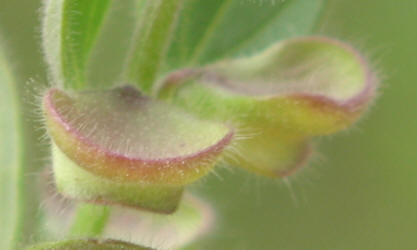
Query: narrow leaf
[[151, 42], [70, 28]]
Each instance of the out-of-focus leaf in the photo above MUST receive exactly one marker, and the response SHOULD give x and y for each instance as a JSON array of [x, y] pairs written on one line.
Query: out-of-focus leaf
[[279, 99], [117, 146], [10, 158], [192, 219], [89, 244], [211, 30], [70, 28]]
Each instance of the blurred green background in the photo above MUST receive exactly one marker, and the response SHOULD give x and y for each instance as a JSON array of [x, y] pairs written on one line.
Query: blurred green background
[[361, 190]]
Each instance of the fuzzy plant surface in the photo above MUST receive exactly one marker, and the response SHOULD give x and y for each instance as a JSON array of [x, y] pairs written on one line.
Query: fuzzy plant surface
[[189, 85]]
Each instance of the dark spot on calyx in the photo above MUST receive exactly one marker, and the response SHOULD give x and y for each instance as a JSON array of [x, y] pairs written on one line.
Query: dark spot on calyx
[[129, 94]]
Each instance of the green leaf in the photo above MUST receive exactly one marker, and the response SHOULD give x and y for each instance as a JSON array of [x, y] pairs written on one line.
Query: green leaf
[[11, 212], [152, 38], [108, 57], [117, 146], [70, 29], [211, 30], [279, 99], [89, 244]]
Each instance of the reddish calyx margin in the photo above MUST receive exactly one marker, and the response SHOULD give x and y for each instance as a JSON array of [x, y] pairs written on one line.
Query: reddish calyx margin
[[94, 158]]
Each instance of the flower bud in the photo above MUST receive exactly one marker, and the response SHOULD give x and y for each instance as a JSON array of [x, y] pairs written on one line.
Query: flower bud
[[279, 99], [117, 146]]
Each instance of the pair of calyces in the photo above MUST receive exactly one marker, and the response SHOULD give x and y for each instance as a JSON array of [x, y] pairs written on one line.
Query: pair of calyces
[[259, 112]]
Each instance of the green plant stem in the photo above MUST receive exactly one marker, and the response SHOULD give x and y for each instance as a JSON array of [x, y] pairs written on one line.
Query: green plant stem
[[12, 210], [19, 151], [90, 220], [151, 41]]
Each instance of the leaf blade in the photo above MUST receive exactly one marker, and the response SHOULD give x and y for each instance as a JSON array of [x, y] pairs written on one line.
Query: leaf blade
[[212, 29], [70, 29], [153, 36]]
